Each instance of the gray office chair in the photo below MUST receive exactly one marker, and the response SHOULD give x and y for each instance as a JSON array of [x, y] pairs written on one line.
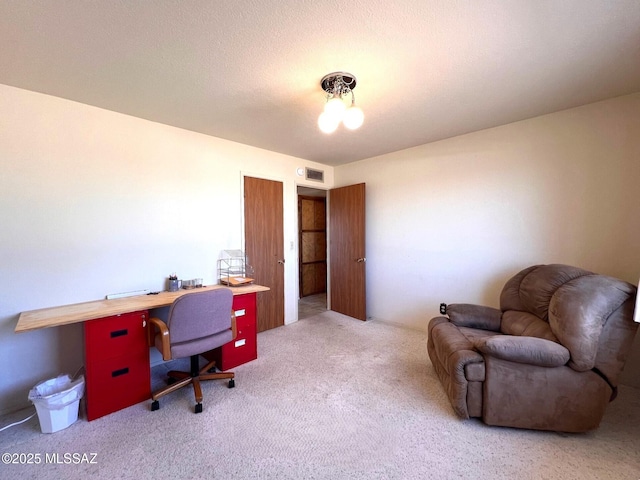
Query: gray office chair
[[197, 322]]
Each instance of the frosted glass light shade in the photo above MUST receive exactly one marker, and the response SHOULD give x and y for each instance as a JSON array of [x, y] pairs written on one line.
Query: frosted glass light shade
[[335, 107], [353, 117], [328, 123]]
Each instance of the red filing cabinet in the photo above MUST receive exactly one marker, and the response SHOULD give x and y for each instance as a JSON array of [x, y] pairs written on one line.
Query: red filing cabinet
[[244, 347], [116, 363]]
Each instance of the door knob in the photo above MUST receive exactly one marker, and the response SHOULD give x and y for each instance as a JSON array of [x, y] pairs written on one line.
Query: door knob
[[281, 262], [361, 260]]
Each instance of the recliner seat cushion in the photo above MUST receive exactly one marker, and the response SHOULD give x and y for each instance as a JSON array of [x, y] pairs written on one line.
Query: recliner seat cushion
[[525, 324]]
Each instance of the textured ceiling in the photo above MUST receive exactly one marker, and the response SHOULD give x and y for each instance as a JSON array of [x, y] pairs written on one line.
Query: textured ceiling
[[249, 70]]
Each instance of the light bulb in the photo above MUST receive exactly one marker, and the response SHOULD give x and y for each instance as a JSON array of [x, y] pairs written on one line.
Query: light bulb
[[335, 107], [353, 117], [327, 123]]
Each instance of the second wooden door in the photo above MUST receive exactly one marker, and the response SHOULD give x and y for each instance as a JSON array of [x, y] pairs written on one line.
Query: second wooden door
[[347, 250], [264, 247]]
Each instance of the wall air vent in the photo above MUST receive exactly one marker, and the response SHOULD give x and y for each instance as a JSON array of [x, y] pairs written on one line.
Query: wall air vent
[[315, 175]]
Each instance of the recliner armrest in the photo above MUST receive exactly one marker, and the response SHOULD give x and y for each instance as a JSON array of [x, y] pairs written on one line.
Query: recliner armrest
[[528, 350], [474, 316]]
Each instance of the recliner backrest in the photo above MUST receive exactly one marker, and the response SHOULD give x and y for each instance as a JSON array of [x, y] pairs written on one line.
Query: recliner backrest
[[531, 289], [575, 303]]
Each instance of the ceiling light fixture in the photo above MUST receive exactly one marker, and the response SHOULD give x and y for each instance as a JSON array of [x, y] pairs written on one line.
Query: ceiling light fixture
[[337, 85]]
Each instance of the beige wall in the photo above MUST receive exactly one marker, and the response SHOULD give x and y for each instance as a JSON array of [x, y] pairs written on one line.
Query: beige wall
[[451, 221], [94, 202]]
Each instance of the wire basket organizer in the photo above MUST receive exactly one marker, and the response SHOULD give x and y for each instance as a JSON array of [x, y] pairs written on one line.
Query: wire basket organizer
[[234, 269]]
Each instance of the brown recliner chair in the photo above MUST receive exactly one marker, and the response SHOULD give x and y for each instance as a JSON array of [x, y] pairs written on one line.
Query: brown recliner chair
[[549, 359]]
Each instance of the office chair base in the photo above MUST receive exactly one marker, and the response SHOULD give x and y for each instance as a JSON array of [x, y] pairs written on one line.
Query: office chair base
[[177, 380]]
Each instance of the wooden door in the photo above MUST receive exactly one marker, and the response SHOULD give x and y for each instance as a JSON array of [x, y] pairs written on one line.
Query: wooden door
[[347, 250], [313, 245], [264, 247]]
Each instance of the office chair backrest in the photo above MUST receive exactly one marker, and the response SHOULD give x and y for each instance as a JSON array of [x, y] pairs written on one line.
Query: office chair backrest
[[201, 314]]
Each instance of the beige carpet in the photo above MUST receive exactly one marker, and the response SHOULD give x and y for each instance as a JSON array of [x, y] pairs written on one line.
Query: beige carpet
[[312, 305], [328, 398]]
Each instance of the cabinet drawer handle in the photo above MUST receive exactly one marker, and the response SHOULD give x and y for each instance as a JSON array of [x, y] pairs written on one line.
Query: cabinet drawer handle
[[119, 333], [122, 371]]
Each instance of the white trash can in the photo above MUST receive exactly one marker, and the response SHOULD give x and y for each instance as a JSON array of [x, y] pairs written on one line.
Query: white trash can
[[57, 402]]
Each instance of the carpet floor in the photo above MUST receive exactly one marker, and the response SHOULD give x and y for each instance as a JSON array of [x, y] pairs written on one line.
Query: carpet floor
[[329, 397]]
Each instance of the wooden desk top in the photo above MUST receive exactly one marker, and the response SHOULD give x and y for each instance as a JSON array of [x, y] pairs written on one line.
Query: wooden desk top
[[80, 312]]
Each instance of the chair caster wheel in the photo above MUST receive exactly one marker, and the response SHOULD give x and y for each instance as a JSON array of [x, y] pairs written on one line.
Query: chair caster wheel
[[232, 383], [198, 408], [155, 405]]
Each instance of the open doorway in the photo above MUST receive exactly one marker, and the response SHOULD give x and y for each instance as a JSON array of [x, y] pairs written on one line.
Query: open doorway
[[312, 261]]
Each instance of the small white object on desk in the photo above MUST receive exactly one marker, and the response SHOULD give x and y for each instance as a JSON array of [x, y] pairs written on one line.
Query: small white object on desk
[[127, 294]]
